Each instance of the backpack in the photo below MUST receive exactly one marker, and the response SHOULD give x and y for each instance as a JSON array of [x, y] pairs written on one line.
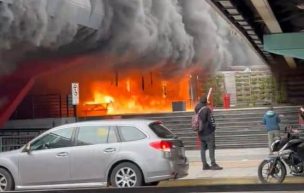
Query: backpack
[[196, 120], [301, 113]]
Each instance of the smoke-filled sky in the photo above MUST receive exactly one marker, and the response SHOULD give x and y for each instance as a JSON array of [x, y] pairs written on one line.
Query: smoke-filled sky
[[149, 32]]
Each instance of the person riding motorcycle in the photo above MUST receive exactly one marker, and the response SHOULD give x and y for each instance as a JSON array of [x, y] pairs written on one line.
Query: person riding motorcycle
[[289, 151], [289, 134]]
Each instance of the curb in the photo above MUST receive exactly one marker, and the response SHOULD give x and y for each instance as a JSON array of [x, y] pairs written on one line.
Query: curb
[[225, 181]]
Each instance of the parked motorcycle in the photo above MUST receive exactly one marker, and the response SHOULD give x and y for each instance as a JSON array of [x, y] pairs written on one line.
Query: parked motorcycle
[[287, 151]]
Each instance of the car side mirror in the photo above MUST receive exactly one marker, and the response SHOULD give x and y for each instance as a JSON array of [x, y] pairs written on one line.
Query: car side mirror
[[27, 148]]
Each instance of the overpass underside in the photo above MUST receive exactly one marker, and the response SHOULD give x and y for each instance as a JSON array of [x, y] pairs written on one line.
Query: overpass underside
[[275, 29]]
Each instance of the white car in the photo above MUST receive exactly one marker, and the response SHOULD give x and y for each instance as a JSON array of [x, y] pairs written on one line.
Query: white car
[[120, 153]]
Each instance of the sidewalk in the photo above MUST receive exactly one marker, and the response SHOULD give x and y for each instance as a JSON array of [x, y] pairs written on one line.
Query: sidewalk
[[237, 163], [240, 167]]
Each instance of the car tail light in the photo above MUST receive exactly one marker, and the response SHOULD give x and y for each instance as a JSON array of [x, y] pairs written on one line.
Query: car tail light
[[162, 145]]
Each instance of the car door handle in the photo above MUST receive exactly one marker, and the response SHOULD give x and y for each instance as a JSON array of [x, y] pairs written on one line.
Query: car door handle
[[110, 150], [62, 154]]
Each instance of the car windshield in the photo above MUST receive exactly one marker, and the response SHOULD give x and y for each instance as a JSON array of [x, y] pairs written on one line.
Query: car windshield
[[161, 131]]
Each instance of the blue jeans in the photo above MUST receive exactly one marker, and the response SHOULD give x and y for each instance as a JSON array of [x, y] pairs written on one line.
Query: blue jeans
[[208, 142]]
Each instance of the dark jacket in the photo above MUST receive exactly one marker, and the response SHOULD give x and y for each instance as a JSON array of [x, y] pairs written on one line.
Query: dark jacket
[[271, 121], [207, 119]]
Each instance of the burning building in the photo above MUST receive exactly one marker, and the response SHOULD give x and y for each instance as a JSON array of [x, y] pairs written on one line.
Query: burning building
[[112, 91], [143, 50]]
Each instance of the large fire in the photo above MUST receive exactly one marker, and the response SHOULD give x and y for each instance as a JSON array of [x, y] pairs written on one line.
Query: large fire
[[134, 93]]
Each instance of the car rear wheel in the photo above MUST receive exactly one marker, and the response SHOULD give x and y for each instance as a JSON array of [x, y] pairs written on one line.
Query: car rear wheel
[[126, 175], [6, 181]]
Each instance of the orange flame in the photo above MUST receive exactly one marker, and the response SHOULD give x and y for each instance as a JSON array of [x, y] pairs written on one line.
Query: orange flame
[[134, 94]]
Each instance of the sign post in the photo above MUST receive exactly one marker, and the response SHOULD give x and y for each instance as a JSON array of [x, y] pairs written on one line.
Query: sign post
[[75, 97]]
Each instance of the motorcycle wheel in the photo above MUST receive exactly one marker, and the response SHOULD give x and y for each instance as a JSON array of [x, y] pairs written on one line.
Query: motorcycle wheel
[[269, 173]]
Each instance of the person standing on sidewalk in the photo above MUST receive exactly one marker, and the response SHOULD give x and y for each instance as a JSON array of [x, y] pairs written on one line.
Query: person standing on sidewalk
[[207, 134], [271, 121]]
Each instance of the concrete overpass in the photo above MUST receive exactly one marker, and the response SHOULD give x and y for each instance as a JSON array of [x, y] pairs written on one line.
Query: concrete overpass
[[275, 28]]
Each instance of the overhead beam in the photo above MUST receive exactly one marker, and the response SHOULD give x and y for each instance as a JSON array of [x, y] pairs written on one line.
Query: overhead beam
[[232, 25], [287, 44], [265, 11]]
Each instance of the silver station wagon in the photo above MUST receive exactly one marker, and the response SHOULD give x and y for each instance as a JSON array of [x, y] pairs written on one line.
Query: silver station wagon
[[119, 153]]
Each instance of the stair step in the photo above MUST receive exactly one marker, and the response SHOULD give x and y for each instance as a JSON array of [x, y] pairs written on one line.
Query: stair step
[[235, 128], [233, 138], [231, 145], [229, 124]]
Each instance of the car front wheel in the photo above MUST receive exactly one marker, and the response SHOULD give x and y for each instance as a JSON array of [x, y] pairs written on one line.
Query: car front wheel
[[126, 175], [6, 181]]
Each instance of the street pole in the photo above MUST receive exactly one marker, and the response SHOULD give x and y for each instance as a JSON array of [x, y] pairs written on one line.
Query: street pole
[[75, 113]]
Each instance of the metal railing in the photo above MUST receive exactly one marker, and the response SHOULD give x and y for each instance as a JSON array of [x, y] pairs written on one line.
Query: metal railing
[[44, 106]]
